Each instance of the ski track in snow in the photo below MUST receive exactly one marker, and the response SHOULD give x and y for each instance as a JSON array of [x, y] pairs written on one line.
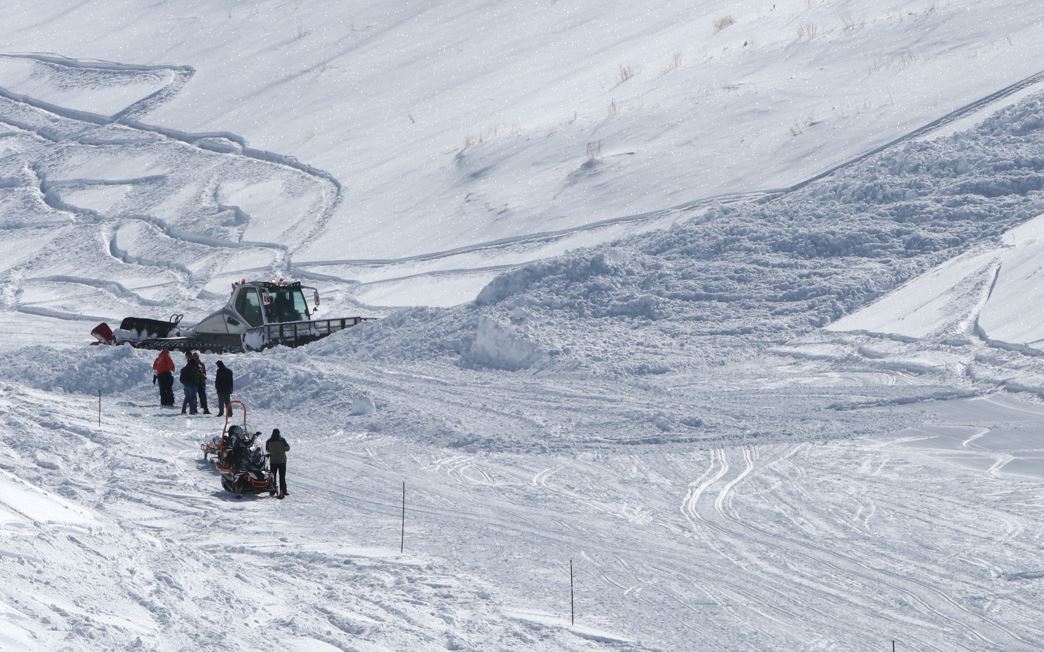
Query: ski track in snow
[[709, 506], [925, 597], [168, 535], [728, 565]]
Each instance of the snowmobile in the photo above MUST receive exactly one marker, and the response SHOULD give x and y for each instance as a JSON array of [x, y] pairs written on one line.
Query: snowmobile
[[249, 470], [258, 315], [243, 467], [221, 445]]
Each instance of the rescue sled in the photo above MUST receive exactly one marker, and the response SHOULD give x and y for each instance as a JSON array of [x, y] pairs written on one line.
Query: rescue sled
[[220, 445]]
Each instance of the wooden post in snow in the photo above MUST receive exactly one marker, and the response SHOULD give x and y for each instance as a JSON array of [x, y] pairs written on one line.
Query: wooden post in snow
[[402, 535], [572, 609], [99, 408]]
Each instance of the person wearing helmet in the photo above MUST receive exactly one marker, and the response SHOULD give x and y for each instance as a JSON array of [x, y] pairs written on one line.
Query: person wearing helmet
[[241, 441]]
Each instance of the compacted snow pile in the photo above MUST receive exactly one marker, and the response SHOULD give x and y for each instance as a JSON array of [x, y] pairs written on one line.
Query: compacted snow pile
[[760, 272], [701, 328]]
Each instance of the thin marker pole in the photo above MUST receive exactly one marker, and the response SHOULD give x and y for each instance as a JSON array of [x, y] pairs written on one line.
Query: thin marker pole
[[99, 408], [402, 536], [572, 609]]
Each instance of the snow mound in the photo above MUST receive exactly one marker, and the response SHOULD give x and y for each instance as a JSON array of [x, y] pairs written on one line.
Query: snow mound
[[598, 284], [496, 346], [108, 369], [362, 406], [283, 379]]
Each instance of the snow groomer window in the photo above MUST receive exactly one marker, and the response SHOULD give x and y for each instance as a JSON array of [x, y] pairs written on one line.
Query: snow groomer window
[[248, 304]]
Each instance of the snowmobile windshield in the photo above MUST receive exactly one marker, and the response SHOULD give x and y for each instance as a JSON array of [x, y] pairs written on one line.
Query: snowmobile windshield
[[284, 305]]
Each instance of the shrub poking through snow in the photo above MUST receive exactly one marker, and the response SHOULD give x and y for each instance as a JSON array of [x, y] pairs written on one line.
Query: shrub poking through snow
[[723, 23]]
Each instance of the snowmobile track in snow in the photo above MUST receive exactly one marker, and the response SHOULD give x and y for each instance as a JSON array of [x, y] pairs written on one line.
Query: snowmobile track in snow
[[63, 128], [725, 521], [180, 75]]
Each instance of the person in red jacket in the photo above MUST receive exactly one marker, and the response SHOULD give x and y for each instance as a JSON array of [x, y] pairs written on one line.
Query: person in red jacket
[[163, 374]]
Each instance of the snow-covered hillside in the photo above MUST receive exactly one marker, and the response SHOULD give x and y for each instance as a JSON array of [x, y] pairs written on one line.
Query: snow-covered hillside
[[428, 128], [731, 310]]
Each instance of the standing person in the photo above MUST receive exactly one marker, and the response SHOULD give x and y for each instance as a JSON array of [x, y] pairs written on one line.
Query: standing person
[[189, 376], [163, 368], [223, 387], [201, 386], [277, 448]]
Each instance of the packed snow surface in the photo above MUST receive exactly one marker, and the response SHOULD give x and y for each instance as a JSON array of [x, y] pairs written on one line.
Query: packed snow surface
[[993, 292], [701, 328]]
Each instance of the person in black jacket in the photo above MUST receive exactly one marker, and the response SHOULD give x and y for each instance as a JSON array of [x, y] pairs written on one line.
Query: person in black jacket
[[223, 387], [201, 385], [189, 377], [277, 448]]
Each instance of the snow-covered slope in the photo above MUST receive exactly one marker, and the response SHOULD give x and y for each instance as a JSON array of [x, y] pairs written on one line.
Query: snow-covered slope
[[640, 220], [441, 126], [995, 292]]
